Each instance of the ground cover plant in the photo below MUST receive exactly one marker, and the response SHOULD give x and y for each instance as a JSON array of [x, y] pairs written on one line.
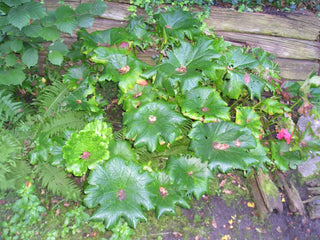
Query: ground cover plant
[[204, 106]]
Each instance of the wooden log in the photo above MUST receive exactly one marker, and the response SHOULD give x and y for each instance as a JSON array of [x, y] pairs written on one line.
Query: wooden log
[[258, 199], [294, 201], [295, 69], [298, 25], [314, 212], [281, 47], [269, 192], [314, 190]]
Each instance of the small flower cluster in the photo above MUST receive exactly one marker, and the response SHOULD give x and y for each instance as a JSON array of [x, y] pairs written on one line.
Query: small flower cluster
[[284, 134]]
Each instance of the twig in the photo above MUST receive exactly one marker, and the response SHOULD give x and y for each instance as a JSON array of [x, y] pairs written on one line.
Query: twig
[[311, 199]]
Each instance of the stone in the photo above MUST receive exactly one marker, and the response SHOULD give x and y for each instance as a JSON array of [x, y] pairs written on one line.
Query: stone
[[312, 165]]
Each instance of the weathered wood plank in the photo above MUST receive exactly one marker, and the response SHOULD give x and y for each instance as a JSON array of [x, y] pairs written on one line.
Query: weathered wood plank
[[299, 25], [281, 47], [296, 70]]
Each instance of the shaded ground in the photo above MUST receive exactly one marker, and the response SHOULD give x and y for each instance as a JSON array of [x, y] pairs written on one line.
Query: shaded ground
[[231, 215]]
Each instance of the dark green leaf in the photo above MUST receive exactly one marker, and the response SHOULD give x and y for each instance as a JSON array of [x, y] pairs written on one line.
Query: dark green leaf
[[247, 117], [204, 104], [98, 7], [55, 57], [165, 194], [19, 17], [12, 77], [36, 10], [50, 33], [152, 124], [120, 190], [224, 144], [30, 57], [16, 45], [284, 157], [189, 174], [85, 21], [66, 21]]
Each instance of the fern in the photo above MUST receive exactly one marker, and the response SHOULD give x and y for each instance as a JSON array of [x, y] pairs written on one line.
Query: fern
[[10, 149], [51, 99], [10, 110], [57, 181], [64, 121], [18, 175]]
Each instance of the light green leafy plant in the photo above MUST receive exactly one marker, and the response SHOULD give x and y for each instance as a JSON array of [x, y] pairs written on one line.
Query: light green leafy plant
[[88, 147]]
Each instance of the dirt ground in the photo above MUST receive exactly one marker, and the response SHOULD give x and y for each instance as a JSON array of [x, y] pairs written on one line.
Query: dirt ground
[[230, 214]]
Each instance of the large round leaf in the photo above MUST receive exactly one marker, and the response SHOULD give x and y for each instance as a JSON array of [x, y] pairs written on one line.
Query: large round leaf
[[120, 190], [204, 104], [225, 144], [152, 123], [189, 174]]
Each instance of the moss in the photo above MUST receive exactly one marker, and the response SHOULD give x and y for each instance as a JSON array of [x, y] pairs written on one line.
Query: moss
[[269, 188]]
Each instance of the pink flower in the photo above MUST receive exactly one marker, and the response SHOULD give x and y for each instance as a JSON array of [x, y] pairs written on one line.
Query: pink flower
[[284, 134]]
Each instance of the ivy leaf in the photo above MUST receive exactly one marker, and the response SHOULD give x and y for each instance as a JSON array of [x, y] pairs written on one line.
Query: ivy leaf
[[224, 144], [30, 57], [66, 21], [284, 157], [273, 106], [176, 24], [12, 77], [120, 190], [19, 17], [247, 117], [165, 194], [151, 123], [189, 174], [205, 104]]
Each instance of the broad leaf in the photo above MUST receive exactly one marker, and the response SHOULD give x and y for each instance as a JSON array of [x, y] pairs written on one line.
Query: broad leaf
[[66, 21], [182, 68], [247, 117], [152, 124], [33, 30], [36, 10], [166, 195], [237, 59], [30, 57], [16, 45], [284, 157], [204, 104], [273, 106], [50, 33], [19, 17], [176, 24], [238, 80], [12, 77], [98, 7], [87, 147], [55, 57], [224, 144], [120, 190], [189, 174], [121, 66], [121, 150]]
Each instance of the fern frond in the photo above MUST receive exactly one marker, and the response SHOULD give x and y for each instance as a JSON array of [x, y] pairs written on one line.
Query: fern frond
[[119, 135], [186, 127], [57, 181], [10, 110], [18, 175], [51, 99], [63, 121]]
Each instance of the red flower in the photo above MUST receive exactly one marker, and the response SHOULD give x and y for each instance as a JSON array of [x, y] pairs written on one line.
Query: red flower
[[284, 134]]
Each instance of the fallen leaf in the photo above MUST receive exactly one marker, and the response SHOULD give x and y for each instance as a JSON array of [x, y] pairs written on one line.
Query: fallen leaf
[[57, 212], [223, 182], [214, 223], [251, 204], [226, 191], [226, 237], [279, 229]]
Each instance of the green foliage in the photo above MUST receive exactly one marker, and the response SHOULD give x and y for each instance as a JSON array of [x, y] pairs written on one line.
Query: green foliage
[[166, 194], [87, 148], [153, 124], [120, 190], [189, 174], [26, 215], [26, 25]]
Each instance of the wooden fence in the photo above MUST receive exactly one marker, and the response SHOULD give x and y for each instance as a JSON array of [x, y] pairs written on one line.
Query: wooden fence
[[292, 37]]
